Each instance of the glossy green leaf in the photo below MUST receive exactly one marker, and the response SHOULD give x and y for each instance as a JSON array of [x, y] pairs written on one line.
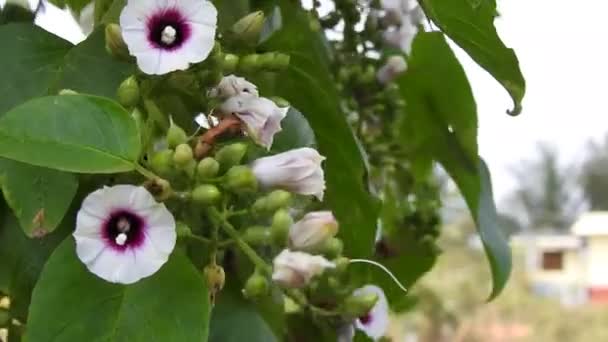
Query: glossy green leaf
[[235, 320], [308, 86], [71, 133], [71, 304], [441, 121], [471, 25], [38, 196], [296, 133], [31, 62], [74, 5]]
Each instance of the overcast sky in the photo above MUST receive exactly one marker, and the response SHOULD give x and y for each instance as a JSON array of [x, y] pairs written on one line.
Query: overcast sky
[[562, 52]]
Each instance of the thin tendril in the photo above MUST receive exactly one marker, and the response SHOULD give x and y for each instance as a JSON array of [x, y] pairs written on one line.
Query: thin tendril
[[382, 267]]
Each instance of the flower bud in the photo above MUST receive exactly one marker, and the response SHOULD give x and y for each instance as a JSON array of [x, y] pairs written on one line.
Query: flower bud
[[128, 92], [176, 135], [183, 155], [256, 286], [206, 194], [230, 155], [395, 65], [248, 28], [257, 235], [230, 63], [249, 63], [274, 61], [207, 168], [232, 85], [298, 171], [296, 269], [333, 248], [159, 188], [281, 222], [360, 305], [313, 230], [240, 179], [277, 199], [183, 230], [215, 276], [161, 162], [115, 46], [341, 265]]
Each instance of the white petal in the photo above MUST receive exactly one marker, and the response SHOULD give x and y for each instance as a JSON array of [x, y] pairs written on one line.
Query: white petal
[[141, 199], [107, 263], [148, 259], [173, 60], [379, 316], [119, 196], [88, 249]]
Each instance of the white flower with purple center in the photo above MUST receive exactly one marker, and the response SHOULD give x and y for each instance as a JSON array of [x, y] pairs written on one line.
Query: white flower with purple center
[[375, 323], [168, 35], [122, 234]]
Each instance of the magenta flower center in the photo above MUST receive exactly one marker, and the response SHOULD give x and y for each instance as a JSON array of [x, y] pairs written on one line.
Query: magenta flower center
[[124, 230], [168, 29], [367, 319]]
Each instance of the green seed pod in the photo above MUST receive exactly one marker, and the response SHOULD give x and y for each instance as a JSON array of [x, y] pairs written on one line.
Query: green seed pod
[[260, 205], [115, 46], [249, 63], [183, 155], [360, 305], [176, 135], [279, 230], [257, 235], [230, 63], [182, 230], [215, 276], [240, 179], [333, 248], [256, 286], [207, 168], [278, 199], [231, 155], [128, 92], [248, 28], [161, 162], [206, 194]]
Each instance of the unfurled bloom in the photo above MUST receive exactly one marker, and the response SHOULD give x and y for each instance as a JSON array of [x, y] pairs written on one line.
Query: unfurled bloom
[[298, 171], [122, 234], [261, 116], [166, 36], [232, 85], [375, 323], [312, 230], [296, 269], [394, 66]]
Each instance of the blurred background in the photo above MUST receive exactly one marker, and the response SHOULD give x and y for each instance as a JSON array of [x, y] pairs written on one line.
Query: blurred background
[[550, 173]]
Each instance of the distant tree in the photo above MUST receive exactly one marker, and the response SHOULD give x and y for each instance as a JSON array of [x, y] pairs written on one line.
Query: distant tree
[[594, 176], [548, 195]]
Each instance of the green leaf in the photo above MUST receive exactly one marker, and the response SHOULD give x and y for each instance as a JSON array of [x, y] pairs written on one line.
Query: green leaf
[[309, 87], [235, 320], [471, 25], [104, 78], [296, 133], [172, 305], [73, 133], [38, 196], [441, 121], [74, 5], [31, 61]]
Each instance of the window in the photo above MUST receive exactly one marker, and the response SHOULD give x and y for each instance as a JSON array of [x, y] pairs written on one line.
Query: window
[[553, 260]]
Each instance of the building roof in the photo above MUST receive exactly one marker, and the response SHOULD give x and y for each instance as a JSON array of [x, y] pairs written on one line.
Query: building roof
[[548, 241], [591, 223]]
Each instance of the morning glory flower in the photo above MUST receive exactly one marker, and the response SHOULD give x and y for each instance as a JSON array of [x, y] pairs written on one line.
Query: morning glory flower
[[298, 171], [122, 234], [375, 323], [168, 35], [232, 85], [296, 269], [312, 230]]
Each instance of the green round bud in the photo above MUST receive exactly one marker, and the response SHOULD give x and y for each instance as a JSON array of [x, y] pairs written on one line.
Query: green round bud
[[161, 162], [115, 45], [215, 276], [207, 168], [128, 92], [249, 63], [176, 135], [260, 205], [333, 248], [248, 28], [183, 155], [257, 235], [230, 63], [281, 61], [279, 230], [279, 101], [231, 155], [240, 179], [256, 286], [182, 230], [360, 305], [278, 199], [206, 194], [341, 265]]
